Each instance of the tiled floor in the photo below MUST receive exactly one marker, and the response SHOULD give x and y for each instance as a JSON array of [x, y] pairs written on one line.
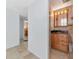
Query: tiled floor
[[21, 52], [55, 54]]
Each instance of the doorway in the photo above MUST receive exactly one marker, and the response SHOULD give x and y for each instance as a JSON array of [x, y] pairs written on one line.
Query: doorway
[[23, 36], [61, 29]]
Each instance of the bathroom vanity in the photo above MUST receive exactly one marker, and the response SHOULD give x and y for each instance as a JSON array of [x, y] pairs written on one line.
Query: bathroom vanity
[[60, 40]]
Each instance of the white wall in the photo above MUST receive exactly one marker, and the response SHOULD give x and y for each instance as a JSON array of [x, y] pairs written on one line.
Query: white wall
[[12, 28], [38, 40]]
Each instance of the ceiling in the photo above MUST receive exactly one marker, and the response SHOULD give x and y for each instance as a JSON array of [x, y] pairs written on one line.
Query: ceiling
[[20, 6], [58, 2]]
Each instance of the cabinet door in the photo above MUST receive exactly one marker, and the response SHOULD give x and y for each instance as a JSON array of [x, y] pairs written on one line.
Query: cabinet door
[[55, 41], [53, 36], [63, 42], [64, 39]]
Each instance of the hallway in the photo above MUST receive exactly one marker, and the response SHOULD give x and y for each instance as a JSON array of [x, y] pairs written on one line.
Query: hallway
[[20, 52]]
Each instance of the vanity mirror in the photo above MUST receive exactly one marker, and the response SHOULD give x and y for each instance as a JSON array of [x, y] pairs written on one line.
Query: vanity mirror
[[61, 17]]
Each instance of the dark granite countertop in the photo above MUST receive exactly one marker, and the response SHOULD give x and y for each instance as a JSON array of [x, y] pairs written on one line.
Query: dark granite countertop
[[59, 31]]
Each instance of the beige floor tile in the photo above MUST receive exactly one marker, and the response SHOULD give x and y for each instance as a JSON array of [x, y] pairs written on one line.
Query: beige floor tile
[[55, 54], [21, 52]]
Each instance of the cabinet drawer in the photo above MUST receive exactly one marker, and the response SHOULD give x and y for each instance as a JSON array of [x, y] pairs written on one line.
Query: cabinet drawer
[[63, 38], [63, 43], [63, 48], [56, 46]]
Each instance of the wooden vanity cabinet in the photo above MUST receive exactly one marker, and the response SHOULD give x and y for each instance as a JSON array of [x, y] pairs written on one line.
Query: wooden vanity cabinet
[[60, 41]]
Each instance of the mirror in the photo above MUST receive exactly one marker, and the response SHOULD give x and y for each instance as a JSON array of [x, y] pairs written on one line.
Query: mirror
[[61, 18]]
